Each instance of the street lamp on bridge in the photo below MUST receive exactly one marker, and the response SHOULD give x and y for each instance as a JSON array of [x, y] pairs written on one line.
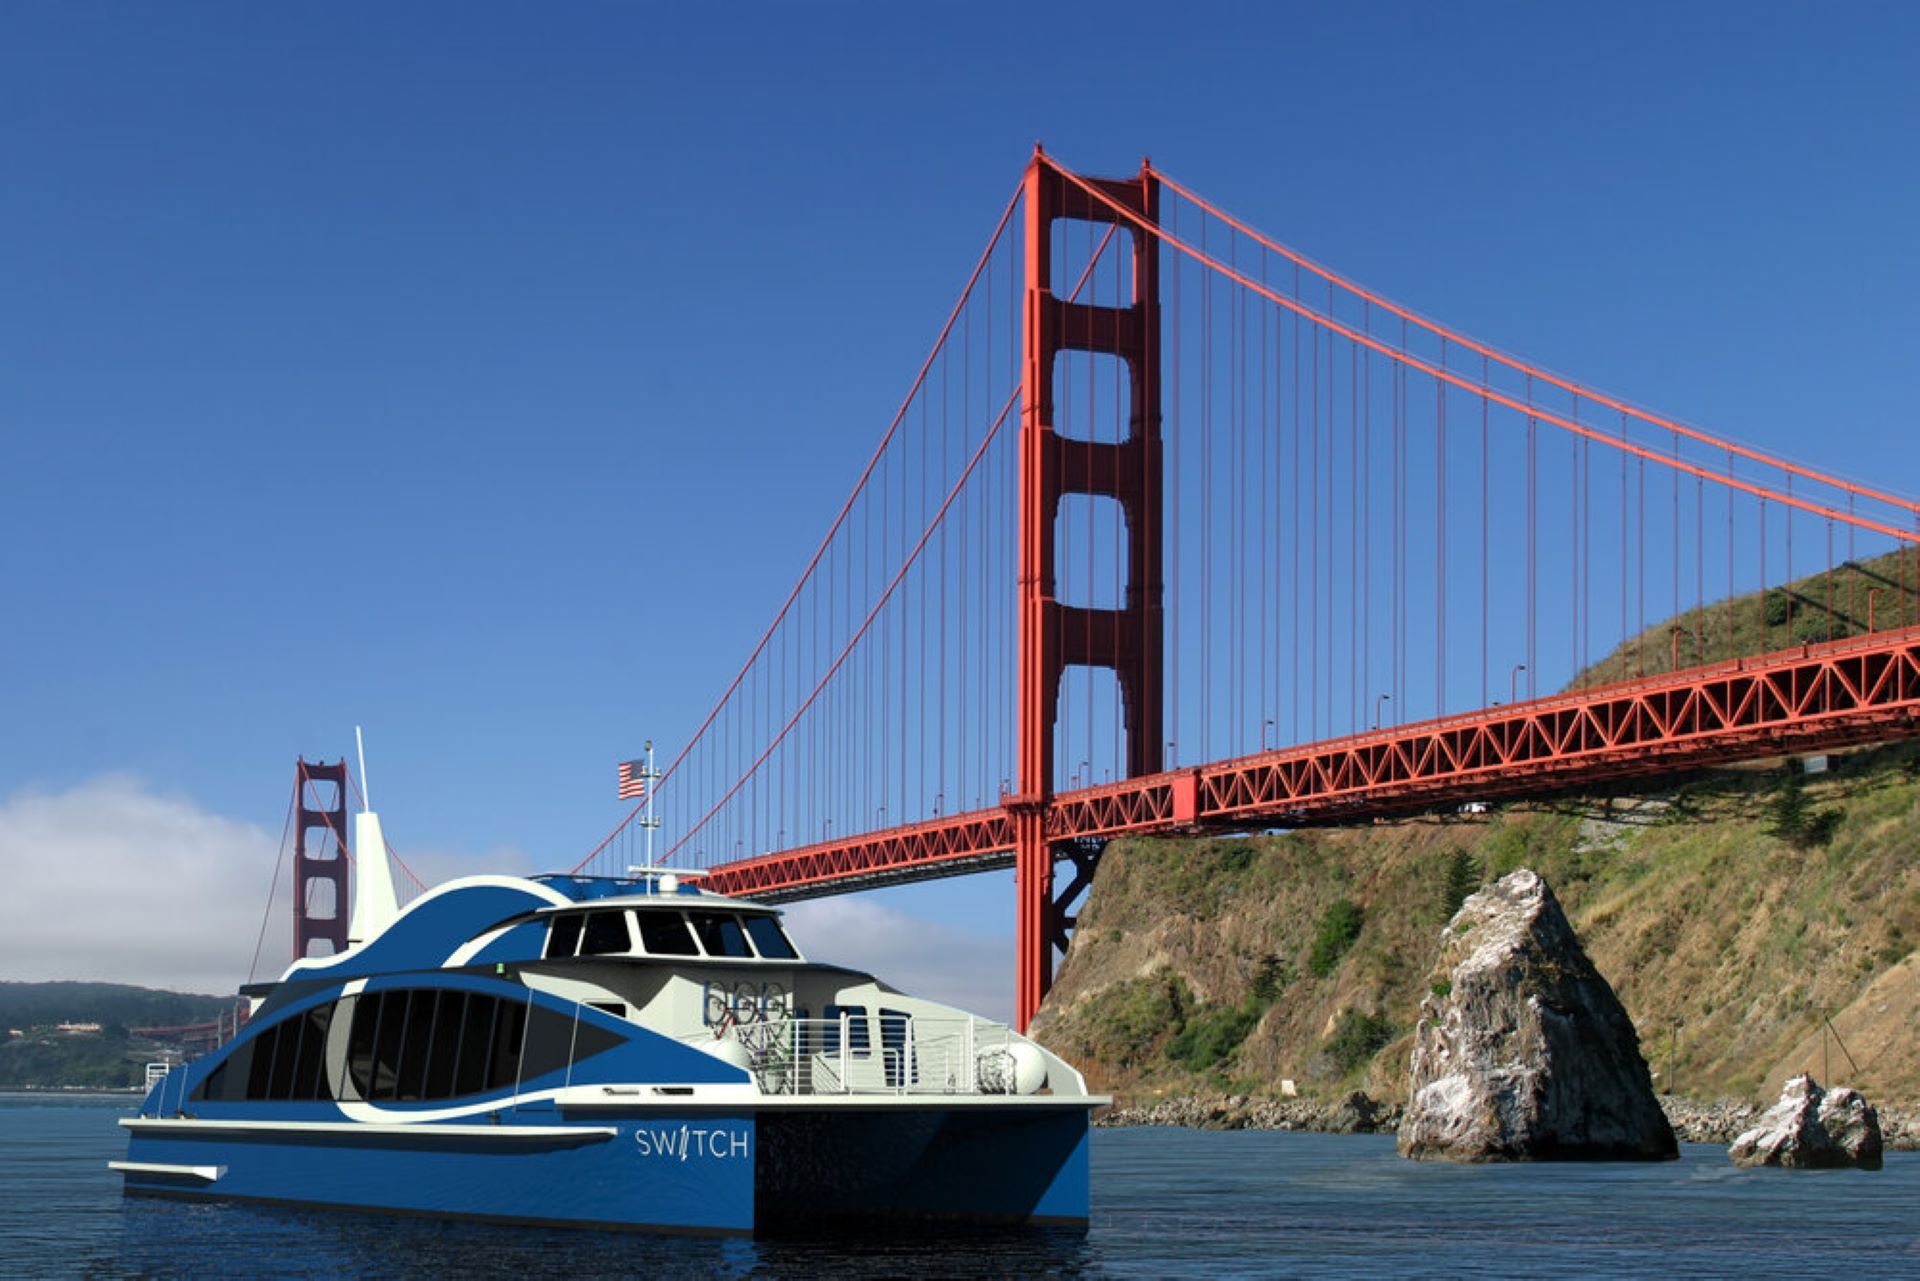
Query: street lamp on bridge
[[1384, 698], [1513, 682]]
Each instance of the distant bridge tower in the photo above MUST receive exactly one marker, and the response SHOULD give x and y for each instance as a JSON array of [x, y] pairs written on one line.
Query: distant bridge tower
[[320, 900], [1128, 640]]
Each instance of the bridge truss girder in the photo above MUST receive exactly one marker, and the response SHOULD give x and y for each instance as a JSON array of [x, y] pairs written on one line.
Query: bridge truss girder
[[1809, 698]]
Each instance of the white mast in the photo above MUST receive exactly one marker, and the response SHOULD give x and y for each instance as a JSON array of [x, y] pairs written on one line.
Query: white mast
[[648, 821], [374, 903]]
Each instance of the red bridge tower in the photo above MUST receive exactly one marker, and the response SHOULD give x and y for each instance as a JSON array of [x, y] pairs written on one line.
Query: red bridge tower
[[1129, 640]]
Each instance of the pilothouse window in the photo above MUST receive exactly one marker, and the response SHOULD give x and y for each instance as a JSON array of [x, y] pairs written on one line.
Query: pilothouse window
[[606, 935], [563, 936], [720, 933], [665, 934], [769, 939]]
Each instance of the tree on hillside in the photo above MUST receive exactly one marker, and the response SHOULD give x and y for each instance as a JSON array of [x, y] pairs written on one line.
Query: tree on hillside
[[1462, 879]]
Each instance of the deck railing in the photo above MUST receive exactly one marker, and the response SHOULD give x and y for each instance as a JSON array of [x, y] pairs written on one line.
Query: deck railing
[[824, 1056]]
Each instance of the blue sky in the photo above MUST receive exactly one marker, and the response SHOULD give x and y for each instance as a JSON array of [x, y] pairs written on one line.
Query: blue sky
[[483, 375]]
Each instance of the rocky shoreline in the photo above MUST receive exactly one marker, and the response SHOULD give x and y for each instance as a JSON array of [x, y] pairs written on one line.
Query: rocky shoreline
[[1694, 1121]]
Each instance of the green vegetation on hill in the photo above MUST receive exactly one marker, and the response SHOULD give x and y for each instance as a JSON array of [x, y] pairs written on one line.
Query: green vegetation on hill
[[109, 1058], [1880, 594], [24, 1005], [1753, 920]]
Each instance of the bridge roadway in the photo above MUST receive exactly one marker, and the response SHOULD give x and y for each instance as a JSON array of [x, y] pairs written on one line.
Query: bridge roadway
[[1810, 698]]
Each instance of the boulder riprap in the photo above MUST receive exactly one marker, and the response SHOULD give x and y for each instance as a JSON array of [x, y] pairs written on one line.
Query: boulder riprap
[[1522, 1052], [1813, 1129]]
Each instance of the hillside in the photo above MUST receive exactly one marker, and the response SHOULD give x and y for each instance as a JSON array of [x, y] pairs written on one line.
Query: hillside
[[1734, 915], [1754, 920], [43, 1056], [1880, 594]]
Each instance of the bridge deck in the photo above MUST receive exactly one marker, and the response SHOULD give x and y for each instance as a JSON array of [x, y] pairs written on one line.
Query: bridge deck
[[1809, 698]]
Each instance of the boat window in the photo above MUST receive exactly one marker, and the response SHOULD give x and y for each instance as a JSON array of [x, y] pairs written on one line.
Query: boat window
[[769, 939], [616, 1008], [299, 1059], [443, 1055], [266, 1048], [509, 1029], [895, 1050], [411, 1046], [563, 936], [606, 935], [553, 1039], [366, 1021], [857, 1042], [285, 1060], [387, 1040], [720, 933], [665, 934], [476, 1035], [425, 1041]]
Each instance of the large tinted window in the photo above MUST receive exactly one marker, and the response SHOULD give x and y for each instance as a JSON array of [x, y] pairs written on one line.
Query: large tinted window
[[720, 933], [390, 1033], [606, 935], [476, 1037], [555, 1039], [770, 939], [284, 1060], [443, 1055], [410, 1046], [665, 934]]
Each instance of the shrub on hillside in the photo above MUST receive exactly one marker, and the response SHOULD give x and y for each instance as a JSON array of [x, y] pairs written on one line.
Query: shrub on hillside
[[1137, 1014], [1338, 929], [1269, 979], [1791, 817], [1212, 1035], [1356, 1038]]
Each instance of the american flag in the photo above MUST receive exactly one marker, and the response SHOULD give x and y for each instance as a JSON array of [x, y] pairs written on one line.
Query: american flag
[[633, 780]]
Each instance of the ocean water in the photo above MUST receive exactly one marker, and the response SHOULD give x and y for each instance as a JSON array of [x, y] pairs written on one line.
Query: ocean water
[[1165, 1203]]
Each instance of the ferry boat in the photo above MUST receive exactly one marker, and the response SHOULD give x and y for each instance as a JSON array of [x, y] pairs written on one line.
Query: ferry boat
[[615, 1052]]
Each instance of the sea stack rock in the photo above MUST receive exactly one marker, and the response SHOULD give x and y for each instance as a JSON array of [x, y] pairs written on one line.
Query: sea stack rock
[[1523, 1053], [1813, 1129]]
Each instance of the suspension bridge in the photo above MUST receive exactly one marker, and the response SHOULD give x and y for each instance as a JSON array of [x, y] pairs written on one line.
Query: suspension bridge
[[1176, 530]]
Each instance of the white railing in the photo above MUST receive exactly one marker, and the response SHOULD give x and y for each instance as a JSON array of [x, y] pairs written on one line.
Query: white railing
[[856, 1054]]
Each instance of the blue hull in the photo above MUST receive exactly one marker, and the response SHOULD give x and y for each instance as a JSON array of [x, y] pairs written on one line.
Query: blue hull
[[720, 1172]]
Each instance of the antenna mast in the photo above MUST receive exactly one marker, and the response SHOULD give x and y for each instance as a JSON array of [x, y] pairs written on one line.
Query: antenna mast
[[647, 820]]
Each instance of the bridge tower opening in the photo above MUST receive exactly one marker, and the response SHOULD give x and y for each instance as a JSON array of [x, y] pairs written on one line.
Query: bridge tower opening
[[320, 902], [1124, 465]]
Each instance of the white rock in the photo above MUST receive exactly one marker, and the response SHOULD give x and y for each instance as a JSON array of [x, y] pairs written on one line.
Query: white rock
[[1524, 1053]]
